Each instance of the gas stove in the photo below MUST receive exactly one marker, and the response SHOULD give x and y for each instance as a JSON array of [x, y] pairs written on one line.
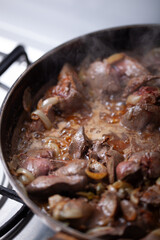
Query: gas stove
[[16, 221]]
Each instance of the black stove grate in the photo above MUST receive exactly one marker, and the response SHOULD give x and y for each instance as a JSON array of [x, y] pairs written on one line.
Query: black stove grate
[[17, 222]]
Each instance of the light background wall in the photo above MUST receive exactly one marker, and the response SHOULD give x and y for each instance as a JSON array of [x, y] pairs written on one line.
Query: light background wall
[[46, 23]]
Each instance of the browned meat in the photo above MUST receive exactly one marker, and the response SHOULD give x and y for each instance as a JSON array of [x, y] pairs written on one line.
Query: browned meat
[[48, 185], [74, 167], [36, 126], [41, 166], [152, 61], [145, 220], [130, 67], [79, 144], [109, 203], [69, 90], [149, 161], [64, 208], [101, 77], [135, 83], [152, 196], [135, 229], [154, 235], [138, 118], [128, 210], [41, 153], [37, 166], [113, 159], [143, 109], [99, 149], [113, 73], [128, 170], [66, 97], [40, 161]]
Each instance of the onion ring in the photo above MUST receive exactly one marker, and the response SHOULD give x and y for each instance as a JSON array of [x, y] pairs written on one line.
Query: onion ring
[[39, 114]]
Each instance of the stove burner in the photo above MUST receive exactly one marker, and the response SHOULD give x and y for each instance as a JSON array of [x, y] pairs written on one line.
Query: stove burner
[[3, 179], [4, 182], [15, 224]]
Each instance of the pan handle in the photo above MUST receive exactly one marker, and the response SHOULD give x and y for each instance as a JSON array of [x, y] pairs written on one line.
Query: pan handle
[[9, 193], [11, 58]]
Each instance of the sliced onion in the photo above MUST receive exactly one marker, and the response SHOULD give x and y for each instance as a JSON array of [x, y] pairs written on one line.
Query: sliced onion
[[24, 179], [50, 101], [122, 184], [156, 232], [52, 145], [54, 200], [56, 213], [25, 176], [158, 181], [39, 114], [71, 210], [96, 170], [24, 171], [133, 99], [88, 195], [115, 58], [100, 188], [96, 176], [134, 196]]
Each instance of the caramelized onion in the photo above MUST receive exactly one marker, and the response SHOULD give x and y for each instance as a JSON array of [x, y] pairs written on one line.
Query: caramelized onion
[[39, 114], [115, 58], [25, 176], [133, 99], [49, 143], [156, 232], [24, 179], [54, 200], [122, 184], [96, 170], [134, 196], [50, 101], [100, 188], [71, 210], [88, 195], [158, 181], [96, 176]]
